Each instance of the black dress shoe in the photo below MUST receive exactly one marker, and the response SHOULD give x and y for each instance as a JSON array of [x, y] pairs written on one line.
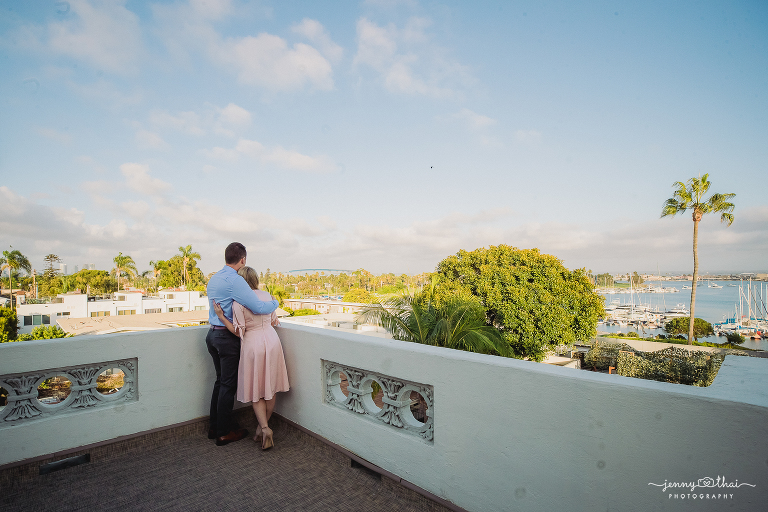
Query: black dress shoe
[[233, 436], [211, 434]]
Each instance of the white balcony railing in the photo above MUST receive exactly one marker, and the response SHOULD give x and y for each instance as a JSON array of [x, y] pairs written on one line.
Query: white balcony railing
[[503, 434]]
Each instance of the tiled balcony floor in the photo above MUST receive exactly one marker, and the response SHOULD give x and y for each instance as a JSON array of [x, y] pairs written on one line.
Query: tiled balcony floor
[[192, 473]]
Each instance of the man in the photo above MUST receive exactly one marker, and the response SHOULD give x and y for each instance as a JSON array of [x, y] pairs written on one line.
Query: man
[[224, 287]]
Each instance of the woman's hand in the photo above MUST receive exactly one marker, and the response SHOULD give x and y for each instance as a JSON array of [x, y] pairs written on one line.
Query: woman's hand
[[218, 310]]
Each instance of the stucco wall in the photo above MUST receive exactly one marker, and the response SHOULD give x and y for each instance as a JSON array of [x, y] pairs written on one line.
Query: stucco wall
[[508, 434]]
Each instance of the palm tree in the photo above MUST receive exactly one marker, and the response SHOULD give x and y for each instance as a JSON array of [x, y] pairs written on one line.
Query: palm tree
[[457, 324], [157, 267], [13, 261], [187, 255], [690, 196], [124, 265]]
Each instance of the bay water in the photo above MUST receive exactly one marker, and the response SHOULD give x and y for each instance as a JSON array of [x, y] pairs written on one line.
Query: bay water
[[712, 304]]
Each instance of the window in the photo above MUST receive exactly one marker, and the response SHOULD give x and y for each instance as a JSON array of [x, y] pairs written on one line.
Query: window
[[99, 313], [63, 313], [27, 320], [46, 319], [175, 310], [37, 319], [200, 308], [153, 310], [127, 312], [169, 296]]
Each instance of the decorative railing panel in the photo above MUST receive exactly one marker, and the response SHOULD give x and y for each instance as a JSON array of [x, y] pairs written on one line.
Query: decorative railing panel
[[23, 402], [398, 407]]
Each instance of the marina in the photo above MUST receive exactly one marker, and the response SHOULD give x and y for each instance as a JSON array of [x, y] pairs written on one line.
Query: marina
[[730, 306]]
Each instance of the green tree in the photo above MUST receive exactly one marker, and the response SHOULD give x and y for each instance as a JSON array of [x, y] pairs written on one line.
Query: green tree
[[735, 338], [174, 271], [458, 324], [93, 282], [690, 196], [637, 279], [531, 297], [158, 266], [124, 267], [701, 328], [604, 279], [9, 324], [359, 295], [187, 256], [14, 261]]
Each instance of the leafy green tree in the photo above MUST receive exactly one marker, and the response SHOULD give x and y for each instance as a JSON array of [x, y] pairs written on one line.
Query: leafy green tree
[[125, 267], [93, 282], [9, 324], [531, 297], [42, 332], [174, 271], [604, 279], [690, 196], [637, 279], [701, 328], [735, 338], [14, 261], [458, 324], [187, 257], [359, 295]]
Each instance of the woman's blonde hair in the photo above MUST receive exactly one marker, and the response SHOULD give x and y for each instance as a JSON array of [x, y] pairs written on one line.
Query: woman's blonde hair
[[251, 277]]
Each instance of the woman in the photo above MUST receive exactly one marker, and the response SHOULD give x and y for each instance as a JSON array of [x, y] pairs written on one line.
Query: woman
[[262, 371]]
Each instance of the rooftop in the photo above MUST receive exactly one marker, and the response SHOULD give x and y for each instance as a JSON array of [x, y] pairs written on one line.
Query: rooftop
[[493, 434]]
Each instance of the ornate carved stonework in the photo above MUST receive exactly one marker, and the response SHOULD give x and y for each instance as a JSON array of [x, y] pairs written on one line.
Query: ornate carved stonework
[[23, 404], [396, 398]]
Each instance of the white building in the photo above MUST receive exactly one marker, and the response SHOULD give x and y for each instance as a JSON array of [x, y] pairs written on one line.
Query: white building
[[78, 305]]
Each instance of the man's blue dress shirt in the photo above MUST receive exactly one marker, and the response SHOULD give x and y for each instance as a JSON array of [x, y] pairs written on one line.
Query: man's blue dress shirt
[[227, 285]]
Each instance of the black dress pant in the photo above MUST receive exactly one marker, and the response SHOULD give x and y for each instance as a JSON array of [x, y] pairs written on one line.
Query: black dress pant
[[224, 348]]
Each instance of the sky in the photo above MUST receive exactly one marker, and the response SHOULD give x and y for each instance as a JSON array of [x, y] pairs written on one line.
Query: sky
[[381, 134]]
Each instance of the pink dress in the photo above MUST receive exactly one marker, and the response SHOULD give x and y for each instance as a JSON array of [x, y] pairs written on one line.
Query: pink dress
[[262, 371]]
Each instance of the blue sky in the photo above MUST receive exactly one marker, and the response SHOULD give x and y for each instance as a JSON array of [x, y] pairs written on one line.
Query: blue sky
[[381, 134]]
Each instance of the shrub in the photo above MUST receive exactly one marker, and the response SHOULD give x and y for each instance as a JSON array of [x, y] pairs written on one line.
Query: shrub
[[672, 364], [632, 334], [304, 312], [701, 327], [735, 338]]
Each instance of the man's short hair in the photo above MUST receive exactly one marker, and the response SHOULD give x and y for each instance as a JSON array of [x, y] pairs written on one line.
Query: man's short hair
[[234, 253]]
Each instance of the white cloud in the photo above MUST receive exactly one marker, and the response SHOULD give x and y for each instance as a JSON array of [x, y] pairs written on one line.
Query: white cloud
[[234, 115], [188, 122], [266, 61], [56, 135], [406, 59], [263, 60], [282, 243], [138, 179], [285, 158], [474, 121], [211, 9], [314, 31], [102, 33], [528, 137], [150, 140]]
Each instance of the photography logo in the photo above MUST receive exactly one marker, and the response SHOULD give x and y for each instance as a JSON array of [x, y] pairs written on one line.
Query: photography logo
[[716, 489]]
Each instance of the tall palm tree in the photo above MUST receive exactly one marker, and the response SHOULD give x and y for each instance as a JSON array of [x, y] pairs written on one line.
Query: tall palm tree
[[13, 261], [124, 265], [457, 324], [690, 196], [187, 255]]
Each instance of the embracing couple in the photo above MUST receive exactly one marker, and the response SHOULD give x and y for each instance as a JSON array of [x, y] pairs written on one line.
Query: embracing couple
[[245, 348]]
